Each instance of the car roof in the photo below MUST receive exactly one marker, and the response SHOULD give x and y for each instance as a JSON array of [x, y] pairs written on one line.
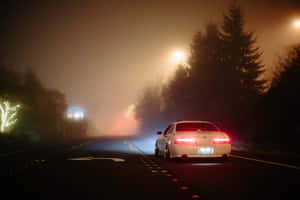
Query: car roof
[[191, 121]]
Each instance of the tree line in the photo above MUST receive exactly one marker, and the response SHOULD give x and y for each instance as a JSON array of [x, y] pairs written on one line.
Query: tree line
[[42, 112], [223, 81]]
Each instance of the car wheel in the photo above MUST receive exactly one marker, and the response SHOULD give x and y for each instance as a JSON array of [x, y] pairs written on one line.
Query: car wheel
[[167, 154], [156, 152], [224, 158]]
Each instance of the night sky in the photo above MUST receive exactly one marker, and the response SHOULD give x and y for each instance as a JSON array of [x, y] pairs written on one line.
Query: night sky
[[101, 54]]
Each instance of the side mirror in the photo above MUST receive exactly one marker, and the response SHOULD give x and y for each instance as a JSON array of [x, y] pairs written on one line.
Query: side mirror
[[159, 133]]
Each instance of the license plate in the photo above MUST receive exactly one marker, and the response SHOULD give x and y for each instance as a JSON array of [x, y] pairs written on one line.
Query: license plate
[[206, 150]]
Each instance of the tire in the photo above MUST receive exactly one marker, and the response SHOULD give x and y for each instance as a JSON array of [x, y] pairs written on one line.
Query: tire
[[224, 158], [156, 152], [167, 154]]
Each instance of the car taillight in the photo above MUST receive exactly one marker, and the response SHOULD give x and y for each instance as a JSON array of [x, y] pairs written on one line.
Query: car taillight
[[221, 140], [185, 140]]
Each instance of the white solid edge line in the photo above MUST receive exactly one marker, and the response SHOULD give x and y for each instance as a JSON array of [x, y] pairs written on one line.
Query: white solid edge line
[[267, 162], [135, 148]]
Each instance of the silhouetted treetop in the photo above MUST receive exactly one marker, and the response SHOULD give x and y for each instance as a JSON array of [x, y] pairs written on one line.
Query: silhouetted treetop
[[242, 54]]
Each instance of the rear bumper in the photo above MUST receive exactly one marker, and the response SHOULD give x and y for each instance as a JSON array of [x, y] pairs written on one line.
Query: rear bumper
[[193, 151], [198, 156]]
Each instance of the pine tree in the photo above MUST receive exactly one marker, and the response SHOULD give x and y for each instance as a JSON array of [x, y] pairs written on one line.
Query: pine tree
[[206, 75], [176, 93], [281, 103], [197, 92], [242, 56]]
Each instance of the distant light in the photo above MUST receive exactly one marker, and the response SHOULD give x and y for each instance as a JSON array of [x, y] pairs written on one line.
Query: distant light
[[130, 111], [125, 123], [76, 113]]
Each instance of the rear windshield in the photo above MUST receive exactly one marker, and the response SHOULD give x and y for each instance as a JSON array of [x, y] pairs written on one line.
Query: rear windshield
[[195, 127]]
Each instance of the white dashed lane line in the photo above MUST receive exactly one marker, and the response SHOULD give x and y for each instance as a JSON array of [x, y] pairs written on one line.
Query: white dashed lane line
[[134, 148]]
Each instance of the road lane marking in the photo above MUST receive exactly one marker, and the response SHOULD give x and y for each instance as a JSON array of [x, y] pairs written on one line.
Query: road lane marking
[[134, 148], [73, 147], [267, 162], [154, 165], [98, 158], [184, 188]]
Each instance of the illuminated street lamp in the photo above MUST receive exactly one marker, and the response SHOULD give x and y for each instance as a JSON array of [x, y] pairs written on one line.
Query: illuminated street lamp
[[178, 57], [296, 23]]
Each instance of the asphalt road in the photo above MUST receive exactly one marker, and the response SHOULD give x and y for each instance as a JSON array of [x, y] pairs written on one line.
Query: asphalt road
[[116, 169]]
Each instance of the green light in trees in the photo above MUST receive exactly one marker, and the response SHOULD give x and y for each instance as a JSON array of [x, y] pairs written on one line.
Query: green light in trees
[[8, 115]]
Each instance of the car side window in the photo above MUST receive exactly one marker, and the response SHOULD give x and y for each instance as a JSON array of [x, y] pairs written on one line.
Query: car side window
[[167, 129], [170, 130]]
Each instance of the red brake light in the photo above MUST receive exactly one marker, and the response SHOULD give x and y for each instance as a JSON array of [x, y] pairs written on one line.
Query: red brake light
[[221, 140], [185, 140]]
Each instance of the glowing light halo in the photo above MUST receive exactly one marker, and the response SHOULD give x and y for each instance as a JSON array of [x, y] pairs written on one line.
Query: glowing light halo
[[130, 111], [8, 115], [75, 113], [125, 123], [178, 56], [297, 23]]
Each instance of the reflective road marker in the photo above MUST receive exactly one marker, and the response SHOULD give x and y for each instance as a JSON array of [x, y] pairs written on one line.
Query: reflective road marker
[[195, 196], [184, 188]]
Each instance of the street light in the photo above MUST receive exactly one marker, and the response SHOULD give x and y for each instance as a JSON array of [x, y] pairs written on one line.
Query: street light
[[178, 56], [296, 23]]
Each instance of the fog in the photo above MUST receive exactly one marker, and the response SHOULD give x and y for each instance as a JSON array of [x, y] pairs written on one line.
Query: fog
[[101, 54]]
